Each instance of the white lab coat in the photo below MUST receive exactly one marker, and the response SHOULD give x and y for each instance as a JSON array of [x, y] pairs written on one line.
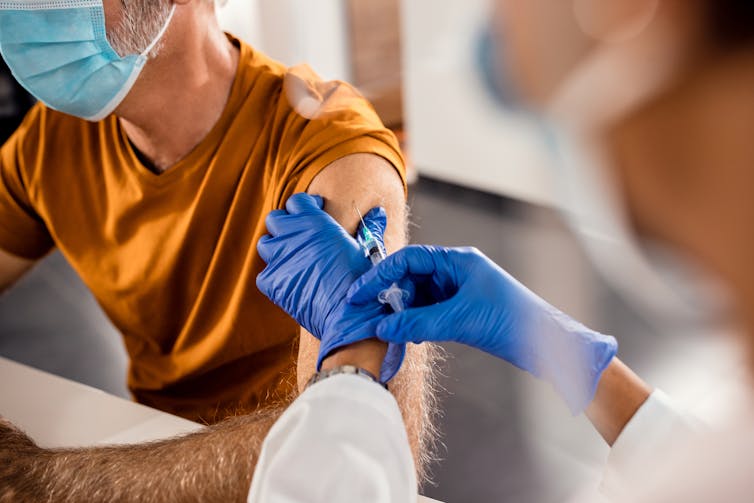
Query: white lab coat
[[343, 440]]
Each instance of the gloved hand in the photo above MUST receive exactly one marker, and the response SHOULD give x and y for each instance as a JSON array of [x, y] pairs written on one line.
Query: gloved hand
[[463, 296], [311, 263]]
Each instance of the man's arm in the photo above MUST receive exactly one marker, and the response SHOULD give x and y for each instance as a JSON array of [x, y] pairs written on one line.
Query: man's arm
[[212, 465], [11, 269], [366, 181]]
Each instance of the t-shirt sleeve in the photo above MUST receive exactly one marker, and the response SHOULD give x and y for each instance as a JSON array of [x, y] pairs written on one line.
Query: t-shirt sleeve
[[22, 231], [322, 122]]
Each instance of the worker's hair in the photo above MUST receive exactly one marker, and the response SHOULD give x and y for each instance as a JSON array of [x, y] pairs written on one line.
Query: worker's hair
[[731, 21]]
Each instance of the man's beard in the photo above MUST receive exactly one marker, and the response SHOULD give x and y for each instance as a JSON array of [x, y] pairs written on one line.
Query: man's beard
[[141, 22]]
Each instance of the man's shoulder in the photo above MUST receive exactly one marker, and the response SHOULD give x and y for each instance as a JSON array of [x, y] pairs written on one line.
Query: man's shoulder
[[256, 66], [299, 89]]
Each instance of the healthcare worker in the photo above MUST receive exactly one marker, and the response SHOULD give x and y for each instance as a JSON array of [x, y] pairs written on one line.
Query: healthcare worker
[[648, 101]]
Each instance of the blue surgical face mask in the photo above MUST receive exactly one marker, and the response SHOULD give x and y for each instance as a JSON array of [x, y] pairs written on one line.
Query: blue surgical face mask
[[58, 50]]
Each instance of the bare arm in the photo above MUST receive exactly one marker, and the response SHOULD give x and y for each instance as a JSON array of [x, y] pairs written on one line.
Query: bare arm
[[620, 393], [11, 269], [368, 181], [213, 465]]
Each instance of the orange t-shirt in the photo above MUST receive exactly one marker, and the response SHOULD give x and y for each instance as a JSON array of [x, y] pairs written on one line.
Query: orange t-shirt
[[172, 258]]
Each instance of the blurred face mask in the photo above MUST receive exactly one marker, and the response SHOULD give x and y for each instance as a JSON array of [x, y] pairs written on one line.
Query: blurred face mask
[[58, 50], [613, 80]]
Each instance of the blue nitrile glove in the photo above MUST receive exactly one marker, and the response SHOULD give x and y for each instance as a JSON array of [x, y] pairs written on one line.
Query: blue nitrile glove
[[311, 263], [463, 296]]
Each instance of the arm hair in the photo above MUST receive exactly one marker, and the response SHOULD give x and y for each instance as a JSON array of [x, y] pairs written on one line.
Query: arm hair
[[212, 465]]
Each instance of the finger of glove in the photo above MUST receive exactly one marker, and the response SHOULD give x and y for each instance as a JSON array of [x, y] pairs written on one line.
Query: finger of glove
[[303, 203], [266, 283], [421, 324], [284, 251], [376, 221], [266, 248], [276, 222], [412, 260]]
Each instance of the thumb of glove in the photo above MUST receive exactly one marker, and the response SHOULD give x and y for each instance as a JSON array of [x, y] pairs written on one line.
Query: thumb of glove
[[393, 361], [422, 324]]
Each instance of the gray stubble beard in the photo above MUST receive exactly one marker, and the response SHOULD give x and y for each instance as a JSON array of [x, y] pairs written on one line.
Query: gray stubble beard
[[141, 22]]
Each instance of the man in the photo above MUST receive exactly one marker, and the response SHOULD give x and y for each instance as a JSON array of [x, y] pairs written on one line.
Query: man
[[162, 146], [662, 90]]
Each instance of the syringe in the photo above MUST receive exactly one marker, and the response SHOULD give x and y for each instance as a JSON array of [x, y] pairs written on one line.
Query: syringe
[[394, 296]]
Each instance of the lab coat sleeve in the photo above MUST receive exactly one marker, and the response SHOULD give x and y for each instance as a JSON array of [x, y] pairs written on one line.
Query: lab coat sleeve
[[343, 440], [657, 429]]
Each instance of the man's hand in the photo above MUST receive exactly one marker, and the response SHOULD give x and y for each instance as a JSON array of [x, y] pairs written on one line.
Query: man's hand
[[311, 263]]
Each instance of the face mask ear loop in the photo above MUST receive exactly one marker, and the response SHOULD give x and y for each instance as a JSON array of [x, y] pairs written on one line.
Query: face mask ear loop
[[161, 34], [120, 96]]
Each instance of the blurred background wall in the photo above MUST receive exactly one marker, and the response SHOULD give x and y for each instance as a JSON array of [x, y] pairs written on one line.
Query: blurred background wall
[[415, 61], [294, 32]]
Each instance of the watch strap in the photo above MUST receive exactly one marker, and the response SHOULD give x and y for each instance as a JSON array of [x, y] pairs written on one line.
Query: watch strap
[[344, 370]]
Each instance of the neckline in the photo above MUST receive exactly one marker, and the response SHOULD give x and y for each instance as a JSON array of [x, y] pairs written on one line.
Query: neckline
[[191, 162]]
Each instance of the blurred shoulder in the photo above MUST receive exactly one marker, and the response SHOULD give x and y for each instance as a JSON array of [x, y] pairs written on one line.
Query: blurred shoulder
[[301, 91]]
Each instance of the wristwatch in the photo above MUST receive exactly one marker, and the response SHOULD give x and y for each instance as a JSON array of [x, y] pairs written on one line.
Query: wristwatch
[[344, 369]]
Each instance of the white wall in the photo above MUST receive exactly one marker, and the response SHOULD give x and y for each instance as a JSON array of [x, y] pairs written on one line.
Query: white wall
[[457, 132], [294, 31], [242, 19]]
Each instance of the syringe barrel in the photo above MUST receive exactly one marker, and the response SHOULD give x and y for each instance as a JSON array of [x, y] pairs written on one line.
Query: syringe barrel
[[376, 254], [395, 299]]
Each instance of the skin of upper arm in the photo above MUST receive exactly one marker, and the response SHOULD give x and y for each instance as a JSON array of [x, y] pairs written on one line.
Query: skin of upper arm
[[366, 181], [12, 268]]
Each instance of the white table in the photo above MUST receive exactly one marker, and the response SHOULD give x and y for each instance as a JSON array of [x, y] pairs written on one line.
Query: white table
[[56, 412]]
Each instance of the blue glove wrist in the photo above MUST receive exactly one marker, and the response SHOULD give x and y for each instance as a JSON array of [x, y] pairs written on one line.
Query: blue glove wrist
[[575, 365]]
